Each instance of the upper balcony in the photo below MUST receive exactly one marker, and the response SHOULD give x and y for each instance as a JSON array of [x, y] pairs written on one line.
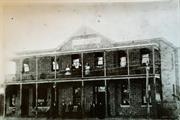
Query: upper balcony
[[106, 63]]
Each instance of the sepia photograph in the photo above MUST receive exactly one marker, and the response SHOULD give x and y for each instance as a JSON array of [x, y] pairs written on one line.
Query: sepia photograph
[[90, 59]]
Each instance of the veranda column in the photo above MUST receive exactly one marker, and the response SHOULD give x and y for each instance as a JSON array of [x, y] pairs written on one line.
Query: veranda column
[[82, 97], [82, 68], [128, 60], [106, 104], [153, 98], [104, 63], [36, 108], [21, 80], [55, 71], [153, 87], [4, 110], [147, 89], [20, 106]]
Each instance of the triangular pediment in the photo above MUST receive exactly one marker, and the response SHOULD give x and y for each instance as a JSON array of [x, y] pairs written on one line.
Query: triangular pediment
[[85, 38]]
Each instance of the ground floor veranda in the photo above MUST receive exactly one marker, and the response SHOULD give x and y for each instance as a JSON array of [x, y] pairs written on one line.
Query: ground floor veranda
[[79, 99]]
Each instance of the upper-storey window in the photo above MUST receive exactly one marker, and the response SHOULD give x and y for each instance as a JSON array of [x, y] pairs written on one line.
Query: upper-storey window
[[145, 56], [55, 65], [99, 59], [76, 64], [26, 66], [122, 58]]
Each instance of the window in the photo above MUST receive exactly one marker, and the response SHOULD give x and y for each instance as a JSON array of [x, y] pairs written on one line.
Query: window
[[26, 68], [145, 59], [76, 95], [125, 93], [144, 101], [55, 65], [76, 63], [123, 62], [100, 61], [145, 56]]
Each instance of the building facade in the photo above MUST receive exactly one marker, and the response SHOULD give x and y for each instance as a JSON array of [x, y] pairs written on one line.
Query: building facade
[[91, 76]]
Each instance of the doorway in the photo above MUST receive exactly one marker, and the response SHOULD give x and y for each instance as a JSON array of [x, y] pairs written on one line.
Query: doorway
[[25, 102], [99, 98]]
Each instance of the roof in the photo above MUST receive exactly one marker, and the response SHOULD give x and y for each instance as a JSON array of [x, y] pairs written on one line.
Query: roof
[[88, 39]]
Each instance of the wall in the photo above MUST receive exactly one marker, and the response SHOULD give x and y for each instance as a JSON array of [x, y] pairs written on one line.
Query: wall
[[167, 71]]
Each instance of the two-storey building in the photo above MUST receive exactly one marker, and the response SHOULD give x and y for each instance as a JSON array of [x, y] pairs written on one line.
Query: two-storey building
[[90, 76]]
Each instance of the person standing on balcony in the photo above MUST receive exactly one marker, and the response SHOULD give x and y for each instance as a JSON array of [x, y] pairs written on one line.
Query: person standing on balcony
[[87, 69], [68, 71]]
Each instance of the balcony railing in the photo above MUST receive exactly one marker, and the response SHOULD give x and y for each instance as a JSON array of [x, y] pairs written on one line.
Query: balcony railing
[[28, 76], [97, 64], [12, 77]]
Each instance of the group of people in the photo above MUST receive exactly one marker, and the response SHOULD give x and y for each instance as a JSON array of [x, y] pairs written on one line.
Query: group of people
[[97, 110], [70, 108]]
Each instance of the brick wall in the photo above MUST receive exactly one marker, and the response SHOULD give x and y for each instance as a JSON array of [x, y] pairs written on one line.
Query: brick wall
[[88, 95], [167, 71], [1, 104], [65, 94], [135, 109]]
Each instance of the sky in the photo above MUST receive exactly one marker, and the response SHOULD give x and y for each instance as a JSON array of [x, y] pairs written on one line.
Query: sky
[[46, 26]]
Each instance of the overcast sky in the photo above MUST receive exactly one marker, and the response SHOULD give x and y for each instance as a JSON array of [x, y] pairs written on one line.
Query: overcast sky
[[45, 26]]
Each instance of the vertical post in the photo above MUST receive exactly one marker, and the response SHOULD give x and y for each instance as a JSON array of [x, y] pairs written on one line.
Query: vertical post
[[153, 98], [55, 93], [82, 97], [147, 90], [153, 59], [55, 60], [128, 60], [129, 89], [82, 66], [4, 110], [104, 63], [106, 102], [36, 86], [36, 69], [20, 98], [22, 67], [36, 99]]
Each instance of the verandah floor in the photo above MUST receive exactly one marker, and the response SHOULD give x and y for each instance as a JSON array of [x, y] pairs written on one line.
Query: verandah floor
[[18, 118]]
